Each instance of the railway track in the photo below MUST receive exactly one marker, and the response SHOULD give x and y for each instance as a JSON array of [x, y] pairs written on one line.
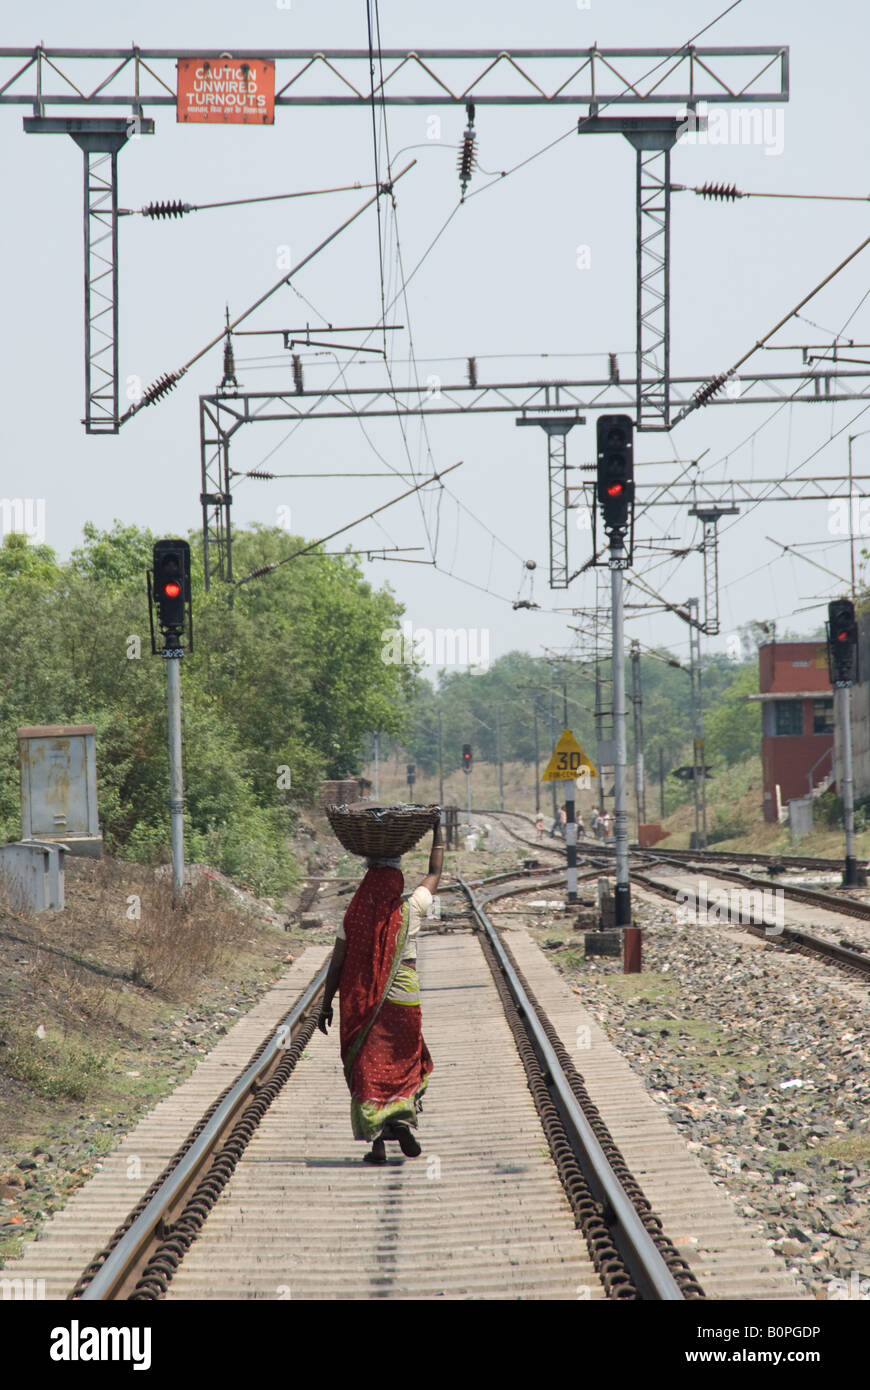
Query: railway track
[[146, 1250], [783, 937], [629, 1249], [633, 1257], [165, 1245], [507, 1219], [787, 863], [846, 955]]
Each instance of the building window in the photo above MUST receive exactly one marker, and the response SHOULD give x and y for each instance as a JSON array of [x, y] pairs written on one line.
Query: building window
[[789, 715], [823, 716]]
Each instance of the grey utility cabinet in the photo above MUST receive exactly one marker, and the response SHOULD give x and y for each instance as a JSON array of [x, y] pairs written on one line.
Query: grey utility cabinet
[[59, 786]]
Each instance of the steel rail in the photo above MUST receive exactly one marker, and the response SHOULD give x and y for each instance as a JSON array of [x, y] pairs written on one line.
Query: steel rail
[[787, 862], [795, 936], [815, 897], [655, 1278], [117, 1264]]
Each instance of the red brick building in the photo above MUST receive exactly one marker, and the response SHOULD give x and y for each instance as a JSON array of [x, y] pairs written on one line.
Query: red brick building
[[797, 721]]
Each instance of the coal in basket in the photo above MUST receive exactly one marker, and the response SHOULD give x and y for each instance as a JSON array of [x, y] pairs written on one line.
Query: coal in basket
[[381, 832]]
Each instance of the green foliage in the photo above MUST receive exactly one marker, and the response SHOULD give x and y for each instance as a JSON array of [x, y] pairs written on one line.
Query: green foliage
[[56, 1066], [286, 676], [828, 811], [728, 825], [21, 561], [528, 690], [116, 557], [733, 726]]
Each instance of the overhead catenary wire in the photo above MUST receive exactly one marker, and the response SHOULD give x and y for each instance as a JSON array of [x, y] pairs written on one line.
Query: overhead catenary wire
[[788, 402], [602, 106], [168, 380], [406, 278], [270, 568], [716, 383], [793, 550], [528, 159]]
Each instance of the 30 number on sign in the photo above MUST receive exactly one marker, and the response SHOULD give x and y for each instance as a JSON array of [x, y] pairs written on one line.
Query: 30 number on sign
[[569, 762]]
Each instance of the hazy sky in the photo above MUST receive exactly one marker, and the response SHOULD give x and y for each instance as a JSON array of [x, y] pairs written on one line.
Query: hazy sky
[[502, 283]]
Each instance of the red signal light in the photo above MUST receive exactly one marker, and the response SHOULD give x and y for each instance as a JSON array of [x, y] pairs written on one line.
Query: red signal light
[[615, 490], [172, 590]]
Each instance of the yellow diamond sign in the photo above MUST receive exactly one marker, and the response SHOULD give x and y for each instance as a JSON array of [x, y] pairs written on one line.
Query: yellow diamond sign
[[568, 761]]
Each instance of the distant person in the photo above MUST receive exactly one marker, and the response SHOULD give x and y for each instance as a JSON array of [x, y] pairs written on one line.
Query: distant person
[[581, 828], [600, 827], [539, 825]]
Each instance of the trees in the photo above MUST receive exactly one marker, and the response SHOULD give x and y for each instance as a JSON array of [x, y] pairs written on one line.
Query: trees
[[518, 682], [733, 726], [286, 675]]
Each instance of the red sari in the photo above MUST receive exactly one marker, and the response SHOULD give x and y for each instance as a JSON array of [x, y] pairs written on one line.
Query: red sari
[[386, 1061]]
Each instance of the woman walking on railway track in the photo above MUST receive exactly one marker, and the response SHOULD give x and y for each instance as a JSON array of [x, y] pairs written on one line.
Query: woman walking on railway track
[[373, 966]]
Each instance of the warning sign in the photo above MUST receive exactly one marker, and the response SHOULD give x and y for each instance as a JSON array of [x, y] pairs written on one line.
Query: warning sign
[[568, 761], [226, 91]]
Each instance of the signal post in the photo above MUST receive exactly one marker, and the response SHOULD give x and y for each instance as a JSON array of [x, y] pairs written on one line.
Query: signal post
[[615, 494], [169, 590], [843, 670]]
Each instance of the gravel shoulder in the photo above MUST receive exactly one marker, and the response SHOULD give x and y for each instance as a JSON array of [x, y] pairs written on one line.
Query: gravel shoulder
[[759, 1057]]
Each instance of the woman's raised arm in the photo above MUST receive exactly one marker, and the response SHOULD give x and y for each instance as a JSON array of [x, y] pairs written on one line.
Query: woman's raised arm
[[436, 860]]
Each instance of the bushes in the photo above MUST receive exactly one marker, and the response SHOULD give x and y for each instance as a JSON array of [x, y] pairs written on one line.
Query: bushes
[[728, 825], [828, 811], [57, 1067]]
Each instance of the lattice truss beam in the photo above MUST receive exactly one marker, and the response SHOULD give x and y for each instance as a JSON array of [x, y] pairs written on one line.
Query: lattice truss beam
[[49, 79], [224, 412], [823, 382], [729, 492], [45, 76]]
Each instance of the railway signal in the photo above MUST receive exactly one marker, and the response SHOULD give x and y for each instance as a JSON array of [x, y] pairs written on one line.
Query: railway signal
[[615, 473], [842, 643], [169, 591], [843, 669]]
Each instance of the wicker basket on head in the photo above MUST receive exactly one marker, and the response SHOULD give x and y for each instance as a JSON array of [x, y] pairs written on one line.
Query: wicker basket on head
[[381, 832]]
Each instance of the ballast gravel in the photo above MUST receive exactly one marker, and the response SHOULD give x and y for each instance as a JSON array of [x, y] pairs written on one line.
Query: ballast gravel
[[760, 1058]]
